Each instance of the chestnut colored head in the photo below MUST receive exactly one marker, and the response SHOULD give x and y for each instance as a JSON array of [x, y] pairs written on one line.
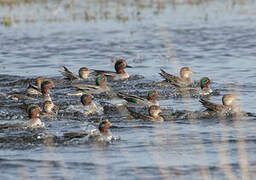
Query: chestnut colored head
[[46, 85], [204, 82], [104, 125], [33, 111], [86, 99], [120, 65], [101, 80], [152, 94]]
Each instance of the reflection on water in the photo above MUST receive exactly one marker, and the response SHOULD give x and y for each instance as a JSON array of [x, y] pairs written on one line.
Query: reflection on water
[[214, 39]]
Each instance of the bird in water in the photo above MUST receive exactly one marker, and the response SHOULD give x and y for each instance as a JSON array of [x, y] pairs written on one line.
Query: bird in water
[[102, 134], [153, 112], [226, 106], [33, 122], [183, 81], [151, 98], [120, 74], [99, 88], [83, 73], [204, 90]]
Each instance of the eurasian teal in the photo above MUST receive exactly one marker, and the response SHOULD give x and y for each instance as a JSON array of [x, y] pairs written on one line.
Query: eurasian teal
[[153, 114], [83, 73], [49, 108], [87, 107], [99, 88], [36, 89], [120, 74], [34, 121], [226, 105], [151, 98], [194, 91], [183, 81], [100, 135], [46, 85]]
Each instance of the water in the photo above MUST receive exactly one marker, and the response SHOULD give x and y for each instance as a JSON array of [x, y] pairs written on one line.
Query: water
[[214, 39]]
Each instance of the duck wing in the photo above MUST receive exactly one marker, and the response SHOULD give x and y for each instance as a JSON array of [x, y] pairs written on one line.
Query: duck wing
[[139, 116], [131, 98], [212, 106], [68, 74], [169, 77], [88, 87], [106, 73]]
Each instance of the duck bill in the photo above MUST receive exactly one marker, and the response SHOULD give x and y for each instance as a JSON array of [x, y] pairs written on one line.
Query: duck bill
[[192, 72], [129, 66]]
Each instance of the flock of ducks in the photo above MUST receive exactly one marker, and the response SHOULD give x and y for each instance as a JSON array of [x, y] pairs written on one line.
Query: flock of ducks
[[182, 83]]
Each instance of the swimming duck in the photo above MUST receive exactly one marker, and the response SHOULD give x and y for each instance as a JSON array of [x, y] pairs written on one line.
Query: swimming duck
[[100, 87], [120, 74], [226, 105], [183, 81], [101, 135], [49, 108], [91, 107], [153, 114], [46, 85], [83, 73], [36, 89], [151, 98], [194, 91], [33, 122], [87, 107], [31, 91]]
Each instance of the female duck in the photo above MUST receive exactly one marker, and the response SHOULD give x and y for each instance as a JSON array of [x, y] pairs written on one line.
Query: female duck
[[183, 81], [83, 73], [153, 114]]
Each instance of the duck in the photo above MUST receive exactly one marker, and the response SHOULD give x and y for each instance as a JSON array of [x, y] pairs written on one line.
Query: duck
[[226, 106], [83, 73], [153, 114], [119, 75], [87, 107], [33, 122], [36, 89], [31, 91], [49, 108], [99, 88], [204, 90], [46, 85], [183, 81], [102, 134], [151, 98]]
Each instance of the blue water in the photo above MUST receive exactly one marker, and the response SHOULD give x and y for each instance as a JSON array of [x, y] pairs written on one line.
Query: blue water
[[214, 39]]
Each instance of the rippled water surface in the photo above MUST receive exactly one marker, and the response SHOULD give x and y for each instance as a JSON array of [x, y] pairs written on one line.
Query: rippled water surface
[[214, 39]]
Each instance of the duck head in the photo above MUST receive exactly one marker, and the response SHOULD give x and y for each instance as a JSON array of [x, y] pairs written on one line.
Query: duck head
[[151, 95], [84, 72], [33, 111], [185, 72], [101, 80], [104, 125], [46, 85], [86, 99], [120, 65], [204, 82], [154, 111], [228, 99]]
